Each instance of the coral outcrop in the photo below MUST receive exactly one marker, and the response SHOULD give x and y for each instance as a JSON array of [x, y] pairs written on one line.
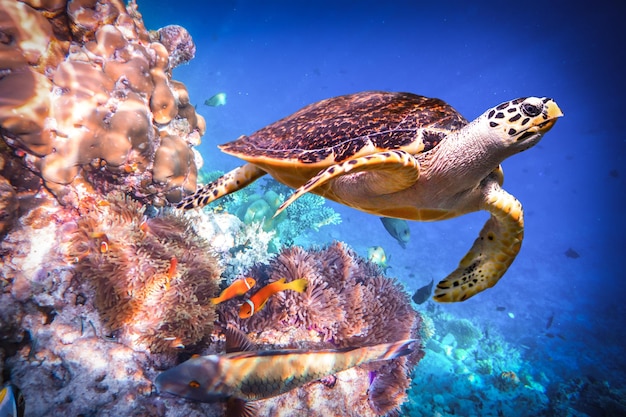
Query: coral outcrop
[[86, 96], [94, 294], [92, 301], [470, 369], [348, 302], [257, 205]]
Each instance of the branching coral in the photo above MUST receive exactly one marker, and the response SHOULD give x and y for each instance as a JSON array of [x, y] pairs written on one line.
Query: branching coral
[[309, 212], [86, 96], [259, 204], [347, 303], [153, 276], [238, 246], [465, 332]]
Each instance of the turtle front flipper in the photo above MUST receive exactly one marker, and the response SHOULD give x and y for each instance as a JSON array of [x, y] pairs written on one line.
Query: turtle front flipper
[[228, 183], [396, 170], [492, 253]]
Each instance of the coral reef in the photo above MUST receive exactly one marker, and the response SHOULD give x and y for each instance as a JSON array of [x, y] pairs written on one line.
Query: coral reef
[[588, 396], [347, 303], [309, 212], [238, 246], [86, 96], [90, 294], [466, 334], [88, 300], [259, 204], [91, 290], [470, 369], [507, 381]]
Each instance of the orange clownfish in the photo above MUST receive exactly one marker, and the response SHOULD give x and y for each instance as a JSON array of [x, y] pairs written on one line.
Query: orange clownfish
[[238, 287], [258, 300], [171, 271]]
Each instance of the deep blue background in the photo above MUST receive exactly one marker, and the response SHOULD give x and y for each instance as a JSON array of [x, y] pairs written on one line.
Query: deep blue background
[[271, 58]]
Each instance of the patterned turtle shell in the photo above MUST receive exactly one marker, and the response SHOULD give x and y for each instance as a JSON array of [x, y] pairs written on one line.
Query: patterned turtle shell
[[340, 128]]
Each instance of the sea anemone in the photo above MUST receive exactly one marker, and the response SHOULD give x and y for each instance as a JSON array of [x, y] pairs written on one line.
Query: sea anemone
[[348, 302], [153, 276]]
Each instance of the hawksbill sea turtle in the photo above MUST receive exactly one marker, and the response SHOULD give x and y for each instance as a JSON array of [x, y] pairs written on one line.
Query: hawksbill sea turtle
[[406, 156]]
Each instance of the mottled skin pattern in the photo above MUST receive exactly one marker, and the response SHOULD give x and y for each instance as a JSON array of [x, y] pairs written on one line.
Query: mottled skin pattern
[[405, 156]]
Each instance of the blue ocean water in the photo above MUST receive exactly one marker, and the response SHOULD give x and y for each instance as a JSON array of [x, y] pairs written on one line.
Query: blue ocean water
[[564, 314]]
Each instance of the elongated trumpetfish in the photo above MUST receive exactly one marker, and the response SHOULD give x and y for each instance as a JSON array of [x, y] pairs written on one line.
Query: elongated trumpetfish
[[246, 375]]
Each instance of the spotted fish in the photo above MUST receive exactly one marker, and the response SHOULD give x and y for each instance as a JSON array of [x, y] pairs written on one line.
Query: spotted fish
[[243, 376]]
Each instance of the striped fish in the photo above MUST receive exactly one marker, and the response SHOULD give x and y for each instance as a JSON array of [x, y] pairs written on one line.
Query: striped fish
[[239, 377]]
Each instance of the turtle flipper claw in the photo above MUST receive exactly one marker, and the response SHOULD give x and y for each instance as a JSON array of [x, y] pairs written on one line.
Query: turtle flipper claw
[[493, 251]]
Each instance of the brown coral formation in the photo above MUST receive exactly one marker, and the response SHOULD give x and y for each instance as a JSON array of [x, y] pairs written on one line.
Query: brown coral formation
[[86, 96], [348, 302], [153, 277]]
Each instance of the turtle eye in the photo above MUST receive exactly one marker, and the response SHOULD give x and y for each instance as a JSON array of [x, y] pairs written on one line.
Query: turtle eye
[[531, 110]]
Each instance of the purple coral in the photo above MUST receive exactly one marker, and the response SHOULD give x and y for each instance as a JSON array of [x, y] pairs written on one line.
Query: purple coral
[[179, 44]]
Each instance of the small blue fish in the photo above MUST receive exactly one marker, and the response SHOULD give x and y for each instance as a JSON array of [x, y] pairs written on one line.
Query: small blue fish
[[398, 229], [12, 402], [242, 376]]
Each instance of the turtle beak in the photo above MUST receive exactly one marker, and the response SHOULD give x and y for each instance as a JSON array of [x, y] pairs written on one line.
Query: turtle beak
[[551, 112]]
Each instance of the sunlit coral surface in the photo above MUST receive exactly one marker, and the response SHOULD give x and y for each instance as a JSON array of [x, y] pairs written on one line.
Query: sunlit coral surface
[[86, 95]]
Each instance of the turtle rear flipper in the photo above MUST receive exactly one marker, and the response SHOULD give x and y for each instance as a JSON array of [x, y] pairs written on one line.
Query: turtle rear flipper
[[228, 183], [492, 253], [395, 171]]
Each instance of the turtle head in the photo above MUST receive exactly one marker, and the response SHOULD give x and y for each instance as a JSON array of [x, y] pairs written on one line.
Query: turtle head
[[521, 123]]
